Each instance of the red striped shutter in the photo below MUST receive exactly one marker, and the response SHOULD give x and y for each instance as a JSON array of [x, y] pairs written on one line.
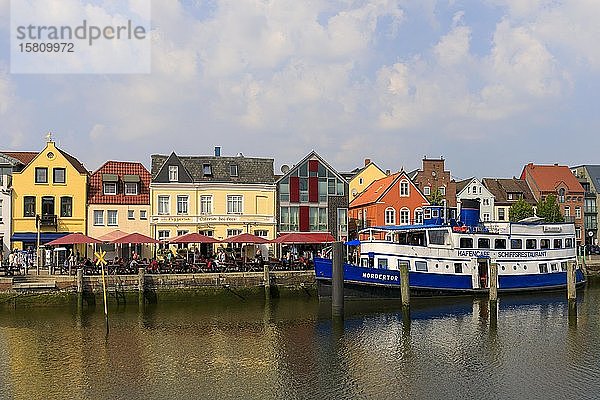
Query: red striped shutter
[[304, 222], [313, 189], [294, 189]]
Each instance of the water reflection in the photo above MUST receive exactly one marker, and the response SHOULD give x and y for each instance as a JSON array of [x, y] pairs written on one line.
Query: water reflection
[[521, 347]]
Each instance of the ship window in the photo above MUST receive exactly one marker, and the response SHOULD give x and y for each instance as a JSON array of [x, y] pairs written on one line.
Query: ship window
[[554, 267], [515, 267], [543, 268], [530, 244], [458, 268], [400, 262], [525, 267], [421, 265], [563, 266], [466, 243], [544, 243], [568, 243], [500, 243], [364, 262], [437, 237], [516, 244], [503, 268], [483, 243], [382, 263], [558, 243]]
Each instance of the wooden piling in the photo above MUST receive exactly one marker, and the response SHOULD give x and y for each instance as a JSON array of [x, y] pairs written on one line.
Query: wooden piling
[[337, 281], [493, 281], [79, 280], [141, 279], [267, 280], [571, 291], [404, 284]]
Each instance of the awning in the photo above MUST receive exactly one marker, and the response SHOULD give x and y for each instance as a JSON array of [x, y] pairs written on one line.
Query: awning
[[110, 178], [354, 242], [305, 238], [31, 237], [131, 178]]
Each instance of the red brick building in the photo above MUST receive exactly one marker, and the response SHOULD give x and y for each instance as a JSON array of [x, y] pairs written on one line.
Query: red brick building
[[434, 176]]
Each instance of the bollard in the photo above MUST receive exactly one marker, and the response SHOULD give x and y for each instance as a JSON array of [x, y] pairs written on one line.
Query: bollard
[[493, 281], [571, 290], [337, 281], [79, 280]]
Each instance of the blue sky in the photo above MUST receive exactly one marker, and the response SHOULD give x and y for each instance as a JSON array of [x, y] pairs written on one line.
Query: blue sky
[[491, 85]]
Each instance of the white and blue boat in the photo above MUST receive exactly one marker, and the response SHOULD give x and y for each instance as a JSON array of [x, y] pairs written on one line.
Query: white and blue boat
[[455, 258]]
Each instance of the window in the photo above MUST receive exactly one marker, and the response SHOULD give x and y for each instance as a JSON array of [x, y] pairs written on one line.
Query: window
[[501, 214], [261, 233], [554, 267], [382, 263], [420, 265], [567, 211], [544, 243], [568, 243], [323, 219], [418, 216], [313, 218], [163, 205], [531, 244], [442, 190], [182, 204], [427, 190], [563, 266], [163, 235], [516, 244], [234, 204], [66, 206], [98, 217], [29, 206], [342, 220], [130, 214], [483, 243], [131, 188], [111, 218], [208, 232], [110, 188], [360, 181], [486, 217], [561, 195], [510, 196], [233, 232], [458, 268], [486, 202], [303, 186], [233, 170], [143, 214], [500, 243], [437, 237], [543, 268], [41, 175], [205, 204], [59, 175], [322, 190], [404, 216], [578, 233], [173, 173], [390, 216], [466, 243], [577, 212], [404, 192], [558, 243], [206, 169]]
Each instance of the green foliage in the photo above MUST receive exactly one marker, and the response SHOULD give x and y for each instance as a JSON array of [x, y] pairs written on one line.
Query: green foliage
[[520, 210], [549, 210], [436, 198]]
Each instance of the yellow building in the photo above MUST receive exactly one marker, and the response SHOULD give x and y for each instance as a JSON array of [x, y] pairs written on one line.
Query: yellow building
[[361, 178], [213, 195], [50, 193]]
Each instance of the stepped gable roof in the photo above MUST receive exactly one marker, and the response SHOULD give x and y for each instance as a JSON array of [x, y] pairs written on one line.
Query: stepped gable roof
[[251, 170], [548, 177], [120, 168], [375, 190], [501, 187], [24, 157]]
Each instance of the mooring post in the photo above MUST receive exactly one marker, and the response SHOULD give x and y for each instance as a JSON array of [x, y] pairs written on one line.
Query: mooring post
[[267, 279], [493, 281], [404, 284], [79, 280], [571, 289], [337, 281]]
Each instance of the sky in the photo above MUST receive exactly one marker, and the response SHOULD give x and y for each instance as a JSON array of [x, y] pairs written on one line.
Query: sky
[[490, 85]]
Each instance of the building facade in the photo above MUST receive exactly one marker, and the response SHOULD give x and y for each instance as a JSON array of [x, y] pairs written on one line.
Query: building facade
[[313, 197], [10, 162], [119, 198], [216, 196], [433, 177], [473, 189], [49, 197], [558, 180], [589, 178], [507, 192], [360, 178], [393, 200]]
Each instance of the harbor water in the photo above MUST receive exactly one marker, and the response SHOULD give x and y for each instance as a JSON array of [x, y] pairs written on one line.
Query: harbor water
[[291, 349]]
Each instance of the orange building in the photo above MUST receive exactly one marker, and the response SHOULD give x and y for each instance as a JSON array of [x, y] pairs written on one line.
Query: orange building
[[393, 200]]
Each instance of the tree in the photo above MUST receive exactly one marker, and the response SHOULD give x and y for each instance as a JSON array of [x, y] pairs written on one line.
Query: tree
[[436, 198], [520, 210], [549, 210]]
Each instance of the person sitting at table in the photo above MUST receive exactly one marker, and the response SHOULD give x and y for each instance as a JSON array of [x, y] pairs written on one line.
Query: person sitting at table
[[153, 267]]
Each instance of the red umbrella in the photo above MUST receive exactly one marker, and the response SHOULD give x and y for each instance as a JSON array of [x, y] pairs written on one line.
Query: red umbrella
[[245, 238], [193, 237], [73, 238], [135, 238], [305, 238], [110, 236]]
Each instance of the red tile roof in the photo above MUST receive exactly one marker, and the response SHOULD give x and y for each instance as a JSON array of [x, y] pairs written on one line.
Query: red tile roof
[[120, 168], [23, 156], [548, 177], [374, 191]]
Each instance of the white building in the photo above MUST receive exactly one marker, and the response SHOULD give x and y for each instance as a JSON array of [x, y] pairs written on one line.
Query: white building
[[473, 189]]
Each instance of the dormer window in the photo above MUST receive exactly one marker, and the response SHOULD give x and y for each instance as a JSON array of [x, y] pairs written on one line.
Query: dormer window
[[207, 170], [131, 188], [233, 170], [173, 173], [110, 188]]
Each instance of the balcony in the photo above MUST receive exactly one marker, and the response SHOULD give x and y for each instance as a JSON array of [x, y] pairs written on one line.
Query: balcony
[[47, 220]]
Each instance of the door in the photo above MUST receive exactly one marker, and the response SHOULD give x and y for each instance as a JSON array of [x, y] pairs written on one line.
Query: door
[[483, 272], [47, 205]]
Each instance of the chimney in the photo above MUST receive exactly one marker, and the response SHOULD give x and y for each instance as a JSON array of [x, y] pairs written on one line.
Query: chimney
[[367, 161], [388, 172], [217, 151]]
